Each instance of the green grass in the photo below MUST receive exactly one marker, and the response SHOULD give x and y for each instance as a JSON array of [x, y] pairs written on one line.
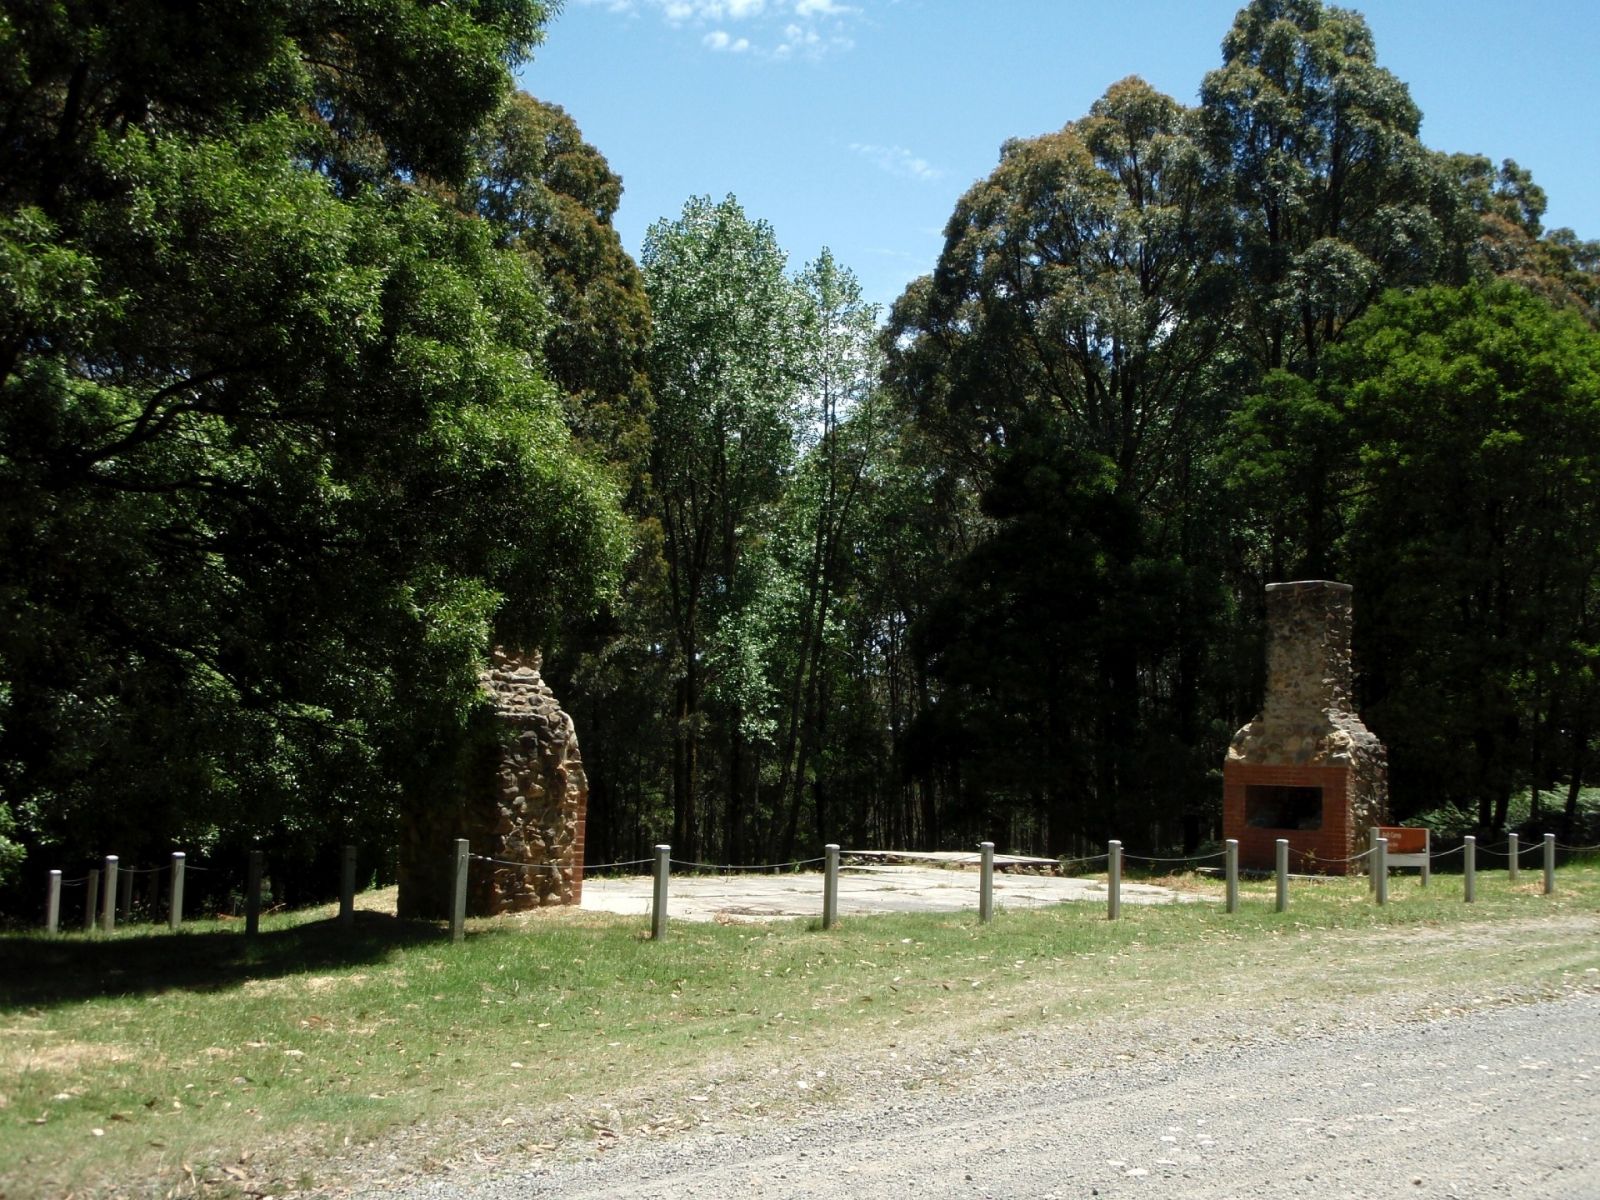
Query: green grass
[[207, 1056]]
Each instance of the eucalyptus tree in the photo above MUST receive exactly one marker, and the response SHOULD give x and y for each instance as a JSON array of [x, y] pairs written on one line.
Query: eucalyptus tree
[[551, 196], [1074, 330], [277, 453], [725, 370], [1335, 197]]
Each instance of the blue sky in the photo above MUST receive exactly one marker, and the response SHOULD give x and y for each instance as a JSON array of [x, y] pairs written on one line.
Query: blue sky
[[856, 124]]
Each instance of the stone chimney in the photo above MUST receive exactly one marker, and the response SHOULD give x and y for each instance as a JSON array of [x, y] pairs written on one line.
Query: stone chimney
[[1306, 768], [517, 793]]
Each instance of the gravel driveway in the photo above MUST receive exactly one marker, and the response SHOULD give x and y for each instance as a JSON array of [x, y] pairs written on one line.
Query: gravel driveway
[[1498, 1102]]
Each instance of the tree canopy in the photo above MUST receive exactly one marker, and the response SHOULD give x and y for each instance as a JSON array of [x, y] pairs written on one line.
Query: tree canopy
[[323, 367], [278, 451]]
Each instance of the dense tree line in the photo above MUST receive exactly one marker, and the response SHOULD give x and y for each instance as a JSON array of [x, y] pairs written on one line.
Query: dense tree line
[[322, 368]]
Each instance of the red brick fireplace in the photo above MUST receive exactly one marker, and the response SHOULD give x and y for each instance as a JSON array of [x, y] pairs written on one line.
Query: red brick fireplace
[[1306, 769]]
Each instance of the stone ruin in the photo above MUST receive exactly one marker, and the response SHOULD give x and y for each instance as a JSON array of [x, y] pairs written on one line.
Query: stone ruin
[[1306, 769], [517, 792]]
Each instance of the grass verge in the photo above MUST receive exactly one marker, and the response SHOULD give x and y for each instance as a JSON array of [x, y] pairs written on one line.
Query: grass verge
[[208, 1063]]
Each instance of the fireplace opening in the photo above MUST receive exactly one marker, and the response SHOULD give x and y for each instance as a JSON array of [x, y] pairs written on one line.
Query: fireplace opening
[[1277, 807]]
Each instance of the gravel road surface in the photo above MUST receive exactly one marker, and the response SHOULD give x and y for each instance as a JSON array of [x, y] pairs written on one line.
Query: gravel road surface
[[1503, 1101]]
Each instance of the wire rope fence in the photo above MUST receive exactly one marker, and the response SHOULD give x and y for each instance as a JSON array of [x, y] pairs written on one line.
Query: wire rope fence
[[109, 890]]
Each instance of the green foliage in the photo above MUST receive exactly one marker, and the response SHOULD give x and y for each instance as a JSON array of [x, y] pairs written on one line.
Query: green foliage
[[277, 450], [725, 370], [1475, 419], [1068, 358], [1335, 197]]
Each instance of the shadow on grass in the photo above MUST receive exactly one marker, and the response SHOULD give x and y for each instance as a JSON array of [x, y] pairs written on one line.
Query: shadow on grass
[[38, 971]]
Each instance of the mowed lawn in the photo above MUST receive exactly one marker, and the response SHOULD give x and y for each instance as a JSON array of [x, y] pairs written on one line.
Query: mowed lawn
[[149, 1063]]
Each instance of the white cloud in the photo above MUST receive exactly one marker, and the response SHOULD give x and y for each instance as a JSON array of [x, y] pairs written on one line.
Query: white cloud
[[719, 39], [776, 28], [897, 160]]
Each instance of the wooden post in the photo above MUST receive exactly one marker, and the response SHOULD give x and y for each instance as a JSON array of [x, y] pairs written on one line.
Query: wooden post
[[1549, 864], [52, 904], [108, 903], [1231, 848], [125, 896], [1380, 870], [1282, 853], [658, 903], [175, 892], [91, 899], [830, 886], [1113, 880], [1469, 868], [252, 894], [1512, 850], [986, 882], [347, 889], [460, 864]]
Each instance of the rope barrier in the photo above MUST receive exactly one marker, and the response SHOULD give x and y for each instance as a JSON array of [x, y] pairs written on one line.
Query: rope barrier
[[1073, 862], [722, 868], [143, 870], [1575, 849], [1447, 853], [1351, 859], [632, 862], [75, 882], [1193, 858], [528, 866]]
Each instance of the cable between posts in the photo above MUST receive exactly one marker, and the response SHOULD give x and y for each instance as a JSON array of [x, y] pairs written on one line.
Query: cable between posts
[[727, 868], [1572, 849], [528, 866], [1193, 858], [1447, 853], [1083, 862], [1342, 861]]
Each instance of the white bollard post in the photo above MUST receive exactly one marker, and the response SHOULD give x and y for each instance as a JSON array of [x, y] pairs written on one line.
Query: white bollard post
[[1427, 856], [1113, 880], [830, 885], [1380, 868], [52, 904], [1512, 851], [175, 892], [1549, 864], [460, 864], [347, 889], [1373, 834], [1231, 857], [986, 882], [124, 896], [1281, 854], [91, 899], [1469, 868], [658, 904], [108, 903], [252, 894]]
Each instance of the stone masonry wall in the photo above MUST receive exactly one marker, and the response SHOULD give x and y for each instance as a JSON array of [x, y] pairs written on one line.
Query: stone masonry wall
[[517, 792]]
